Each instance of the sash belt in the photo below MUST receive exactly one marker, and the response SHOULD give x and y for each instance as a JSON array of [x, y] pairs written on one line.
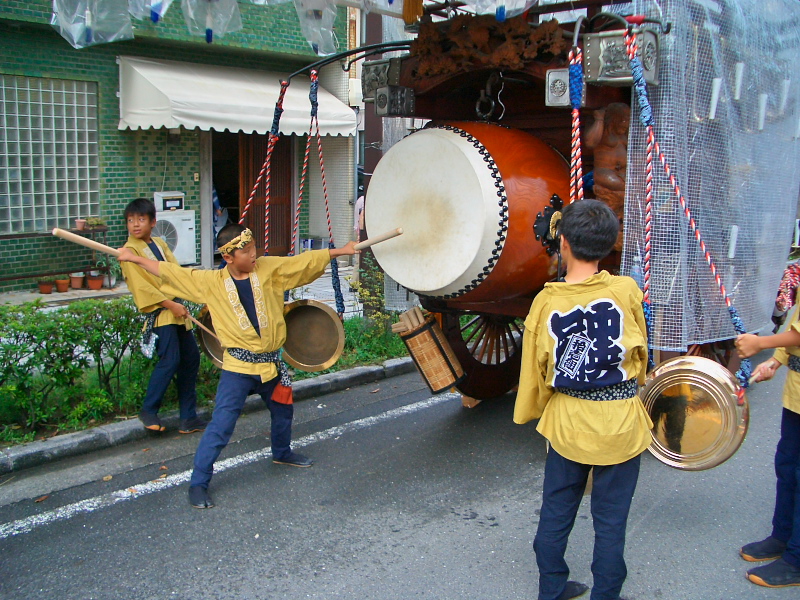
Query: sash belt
[[615, 391]]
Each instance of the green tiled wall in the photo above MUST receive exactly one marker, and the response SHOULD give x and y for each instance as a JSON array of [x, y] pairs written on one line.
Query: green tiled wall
[[132, 163]]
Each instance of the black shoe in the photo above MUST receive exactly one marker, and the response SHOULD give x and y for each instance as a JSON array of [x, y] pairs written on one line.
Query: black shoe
[[192, 425], [151, 422], [573, 589], [199, 498], [775, 574], [295, 460], [767, 549]]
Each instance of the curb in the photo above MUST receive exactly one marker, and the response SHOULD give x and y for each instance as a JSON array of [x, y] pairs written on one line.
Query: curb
[[34, 454]]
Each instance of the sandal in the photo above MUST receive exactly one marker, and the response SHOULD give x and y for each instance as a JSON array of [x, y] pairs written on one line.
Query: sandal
[[151, 422]]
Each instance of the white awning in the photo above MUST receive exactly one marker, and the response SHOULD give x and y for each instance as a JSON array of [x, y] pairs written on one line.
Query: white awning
[[161, 93]]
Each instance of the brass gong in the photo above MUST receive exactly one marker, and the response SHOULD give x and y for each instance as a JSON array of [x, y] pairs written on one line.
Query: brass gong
[[314, 336], [699, 420]]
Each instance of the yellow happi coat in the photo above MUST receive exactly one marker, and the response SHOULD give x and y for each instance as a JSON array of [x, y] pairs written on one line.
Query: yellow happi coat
[[791, 389], [605, 313], [271, 277], [145, 287]]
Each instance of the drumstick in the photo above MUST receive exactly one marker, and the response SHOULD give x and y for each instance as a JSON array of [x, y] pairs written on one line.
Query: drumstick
[[78, 239], [379, 238], [72, 237], [204, 328]]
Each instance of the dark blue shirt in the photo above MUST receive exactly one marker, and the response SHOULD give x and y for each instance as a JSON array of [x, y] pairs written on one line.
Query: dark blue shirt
[[245, 291], [156, 250]]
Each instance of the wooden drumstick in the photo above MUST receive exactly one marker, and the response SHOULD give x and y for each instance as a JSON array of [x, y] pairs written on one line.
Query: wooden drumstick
[[379, 238], [204, 328], [78, 239], [72, 237]]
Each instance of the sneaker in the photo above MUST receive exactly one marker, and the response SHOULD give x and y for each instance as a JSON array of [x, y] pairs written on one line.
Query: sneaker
[[192, 425], [767, 549], [295, 460], [775, 574], [573, 589], [151, 422], [199, 498]]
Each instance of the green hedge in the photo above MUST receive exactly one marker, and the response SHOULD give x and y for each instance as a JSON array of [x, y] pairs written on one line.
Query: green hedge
[[69, 368]]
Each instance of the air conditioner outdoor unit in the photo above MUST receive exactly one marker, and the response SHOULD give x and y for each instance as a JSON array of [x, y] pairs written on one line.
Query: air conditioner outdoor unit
[[178, 230]]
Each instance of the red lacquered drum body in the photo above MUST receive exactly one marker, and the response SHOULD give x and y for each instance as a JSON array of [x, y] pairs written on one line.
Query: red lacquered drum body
[[466, 195]]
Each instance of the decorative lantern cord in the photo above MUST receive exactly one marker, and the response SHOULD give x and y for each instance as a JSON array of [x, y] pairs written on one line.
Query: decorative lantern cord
[[646, 118], [575, 98]]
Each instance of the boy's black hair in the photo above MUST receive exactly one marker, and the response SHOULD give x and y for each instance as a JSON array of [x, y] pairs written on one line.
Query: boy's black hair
[[227, 233], [591, 228], [141, 206]]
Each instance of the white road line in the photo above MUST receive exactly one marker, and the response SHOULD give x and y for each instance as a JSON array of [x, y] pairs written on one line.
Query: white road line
[[89, 505]]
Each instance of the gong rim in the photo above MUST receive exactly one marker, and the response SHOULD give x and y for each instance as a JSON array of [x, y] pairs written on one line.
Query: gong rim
[[312, 325], [208, 343], [714, 415]]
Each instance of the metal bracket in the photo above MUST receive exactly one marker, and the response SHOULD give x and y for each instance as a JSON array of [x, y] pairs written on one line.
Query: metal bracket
[[545, 228]]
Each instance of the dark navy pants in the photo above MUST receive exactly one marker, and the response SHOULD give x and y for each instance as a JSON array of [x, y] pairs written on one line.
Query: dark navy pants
[[177, 354], [232, 392], [612, 492], [786, 520]]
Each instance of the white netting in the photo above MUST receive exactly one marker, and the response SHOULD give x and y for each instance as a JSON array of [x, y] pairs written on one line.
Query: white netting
[[738, 171]]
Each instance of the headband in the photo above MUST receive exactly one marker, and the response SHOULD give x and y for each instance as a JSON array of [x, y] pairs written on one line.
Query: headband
[[237, 243]]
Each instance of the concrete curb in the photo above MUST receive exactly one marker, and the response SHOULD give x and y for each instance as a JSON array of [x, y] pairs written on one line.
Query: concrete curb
[[38, 453]]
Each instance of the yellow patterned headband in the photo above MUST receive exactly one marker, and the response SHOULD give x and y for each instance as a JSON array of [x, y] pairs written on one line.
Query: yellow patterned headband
[[237, 243]]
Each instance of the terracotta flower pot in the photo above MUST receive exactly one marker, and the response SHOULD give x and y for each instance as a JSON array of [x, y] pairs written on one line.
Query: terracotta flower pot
[[76, 281], [62, 285], [80, 223], [95, 283], [45, 287]]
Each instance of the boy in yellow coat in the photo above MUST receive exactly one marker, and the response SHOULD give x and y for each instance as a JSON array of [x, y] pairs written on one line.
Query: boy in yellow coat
[[584, 355], [245, 300], [167, 324]]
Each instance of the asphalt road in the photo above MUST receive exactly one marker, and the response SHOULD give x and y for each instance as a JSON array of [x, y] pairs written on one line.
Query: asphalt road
[[412, 496]]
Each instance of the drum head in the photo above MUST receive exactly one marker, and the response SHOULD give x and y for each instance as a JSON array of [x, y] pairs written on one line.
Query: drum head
[[699, 421], [209, 344], [314, 335], [436, 185]]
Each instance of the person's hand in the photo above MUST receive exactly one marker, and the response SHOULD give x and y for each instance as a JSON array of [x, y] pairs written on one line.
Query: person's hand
[[176, 308], [765, 371], [747, 345], [347, 250], [126, 255]]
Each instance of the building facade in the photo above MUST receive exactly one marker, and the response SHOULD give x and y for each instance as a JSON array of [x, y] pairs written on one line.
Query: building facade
[[67, 153]]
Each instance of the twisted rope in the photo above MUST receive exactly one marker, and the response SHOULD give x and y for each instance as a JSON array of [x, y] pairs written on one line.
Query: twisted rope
[[575, 98], [646, 118]]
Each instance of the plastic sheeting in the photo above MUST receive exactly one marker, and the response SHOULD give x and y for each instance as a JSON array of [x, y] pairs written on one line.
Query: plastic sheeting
[[89, 22], [316, 22], [211, 18], [155, 10], [502, 9], [737, 163]]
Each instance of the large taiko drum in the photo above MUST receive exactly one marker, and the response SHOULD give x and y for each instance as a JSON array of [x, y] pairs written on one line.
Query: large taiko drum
[[466, 195]]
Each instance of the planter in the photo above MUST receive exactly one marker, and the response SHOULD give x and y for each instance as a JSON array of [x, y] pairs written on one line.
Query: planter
[[45, 287], [76, 280], [95, 283], [62, 285], [109, 281], [80, 223]]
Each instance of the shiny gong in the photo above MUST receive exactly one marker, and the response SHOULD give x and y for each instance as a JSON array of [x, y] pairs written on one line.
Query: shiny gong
[[699, 421], [314, 336], [209, 344]]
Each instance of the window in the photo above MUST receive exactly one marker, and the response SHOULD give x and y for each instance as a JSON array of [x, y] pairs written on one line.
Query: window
[[49, 172]]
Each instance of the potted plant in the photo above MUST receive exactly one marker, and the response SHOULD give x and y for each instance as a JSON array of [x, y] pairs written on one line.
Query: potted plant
[[112, 268], [46, 286], [62, 283], [93, 222], [80, 224], [95, 282], [76, 280]]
